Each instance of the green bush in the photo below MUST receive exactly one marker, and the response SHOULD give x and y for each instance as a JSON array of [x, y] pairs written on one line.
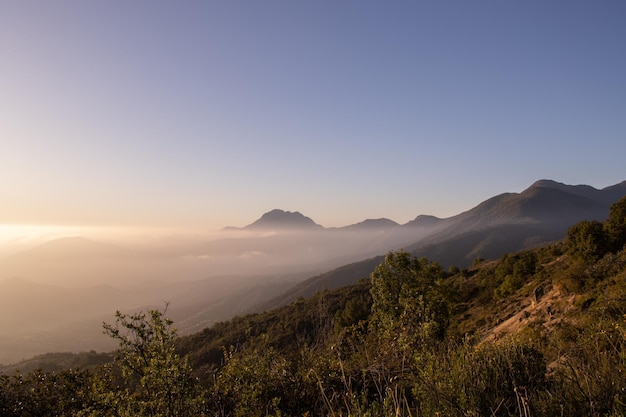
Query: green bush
[[591, 377], [410, 300], [491, 379], [587, 241], [510, 284], [615, 226]]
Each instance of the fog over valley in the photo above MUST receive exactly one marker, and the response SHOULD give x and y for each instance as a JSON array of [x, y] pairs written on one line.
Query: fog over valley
[[58, 284], [247, 208], [132, 257]]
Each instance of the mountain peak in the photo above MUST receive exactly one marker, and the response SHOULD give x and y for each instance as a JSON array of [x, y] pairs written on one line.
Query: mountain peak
[[560, 186], [424, 220], [281, 219], [547, 184], [373, 224], [585, 191]]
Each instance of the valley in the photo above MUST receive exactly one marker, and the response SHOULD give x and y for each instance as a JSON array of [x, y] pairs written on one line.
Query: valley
[[55, 295]]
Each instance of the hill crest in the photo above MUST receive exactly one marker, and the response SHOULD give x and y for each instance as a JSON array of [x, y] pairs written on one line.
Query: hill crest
[[281, 219], [372, 224]]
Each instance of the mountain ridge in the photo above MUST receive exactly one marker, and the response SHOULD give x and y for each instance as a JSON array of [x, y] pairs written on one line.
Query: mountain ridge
[[505, 223], [382, 223], [320, 258], [282, 219]]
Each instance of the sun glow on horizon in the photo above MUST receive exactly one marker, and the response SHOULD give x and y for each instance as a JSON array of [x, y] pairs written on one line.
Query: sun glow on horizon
[[15, 237]]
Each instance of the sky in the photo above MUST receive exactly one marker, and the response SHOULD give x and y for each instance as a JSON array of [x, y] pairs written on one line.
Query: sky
[[206, 114]]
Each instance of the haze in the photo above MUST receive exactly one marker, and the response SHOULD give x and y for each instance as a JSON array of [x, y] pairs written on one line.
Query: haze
[[56, 289], [133, 133]]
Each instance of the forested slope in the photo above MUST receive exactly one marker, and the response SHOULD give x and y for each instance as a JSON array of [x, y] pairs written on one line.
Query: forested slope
[[538, 332]]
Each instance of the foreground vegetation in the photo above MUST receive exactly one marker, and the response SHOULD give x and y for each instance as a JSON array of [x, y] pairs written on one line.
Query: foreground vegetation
[[536, 333]]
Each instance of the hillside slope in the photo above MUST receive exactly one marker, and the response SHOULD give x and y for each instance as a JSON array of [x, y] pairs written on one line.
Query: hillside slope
[[536, 332], [506, 223]]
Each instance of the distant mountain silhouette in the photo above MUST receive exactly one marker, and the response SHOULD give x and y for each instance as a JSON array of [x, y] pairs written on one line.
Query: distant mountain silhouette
[[607, 195], [506, 223], [283, 220], [511, 222], [372, 224], [545, 201], [424, 221], [546, 204]]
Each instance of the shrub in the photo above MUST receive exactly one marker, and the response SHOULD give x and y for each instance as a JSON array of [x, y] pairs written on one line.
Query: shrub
[[615, 226], [491, 379], [587, 241]]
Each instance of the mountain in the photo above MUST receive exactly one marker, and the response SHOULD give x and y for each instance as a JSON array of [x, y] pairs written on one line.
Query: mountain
[[283, 220], [515, 221], [490, 243], [424, 221], [506, 223], [545, 316], [236, 273], [372, 224], [547, 320], [337, 278], [606, 195], [295, 243], [543, 212]]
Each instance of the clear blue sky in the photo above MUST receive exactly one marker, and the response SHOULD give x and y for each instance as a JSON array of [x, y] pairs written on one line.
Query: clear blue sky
[[210, 113]]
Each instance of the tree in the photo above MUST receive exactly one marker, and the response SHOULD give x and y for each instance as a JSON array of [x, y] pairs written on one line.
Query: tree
[[615, 226], [148, 377], [410, 302], [41, 394], [256, 383], [512, 271], [587, 240]]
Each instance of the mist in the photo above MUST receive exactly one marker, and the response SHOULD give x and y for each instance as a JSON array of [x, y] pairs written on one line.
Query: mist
[[57, 285]]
